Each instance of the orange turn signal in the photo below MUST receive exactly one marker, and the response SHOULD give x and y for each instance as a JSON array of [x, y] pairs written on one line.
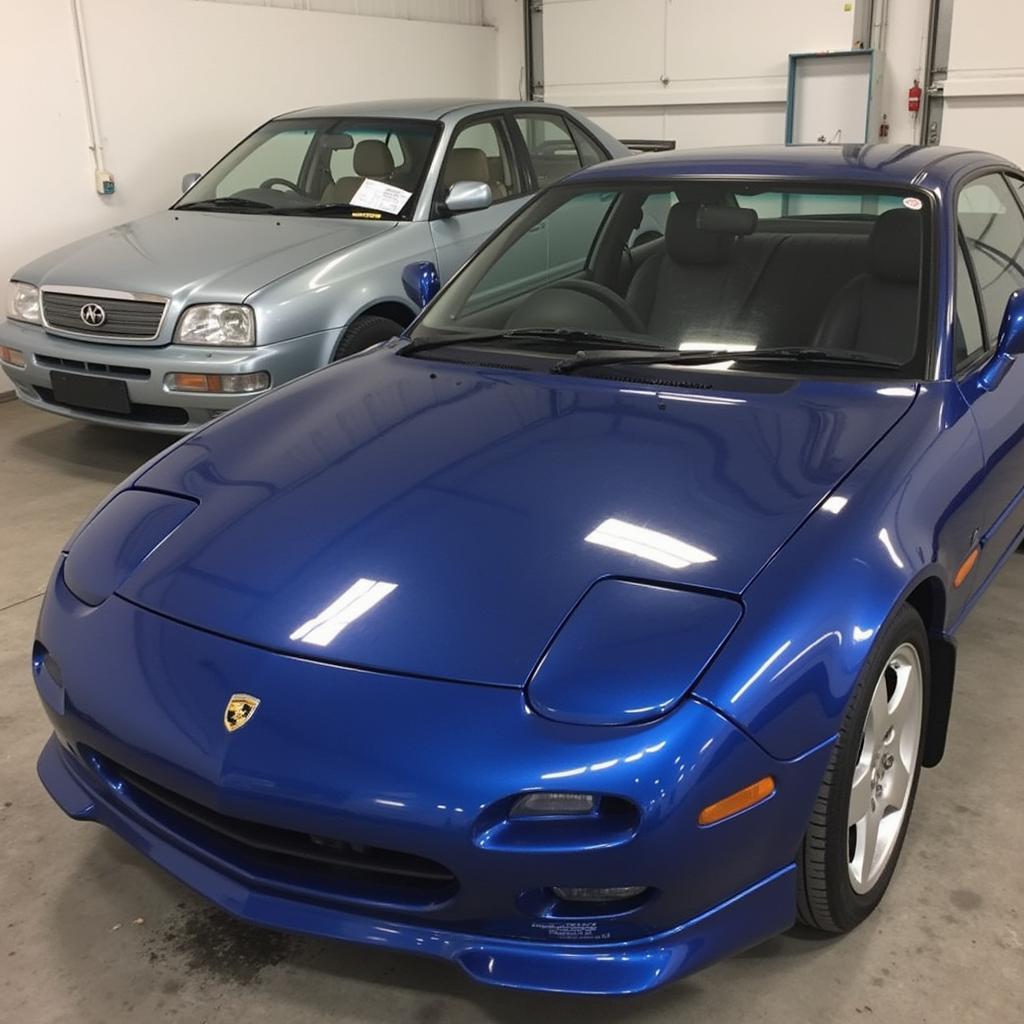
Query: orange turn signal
[[965, 570], [12, 356], [741, 800]]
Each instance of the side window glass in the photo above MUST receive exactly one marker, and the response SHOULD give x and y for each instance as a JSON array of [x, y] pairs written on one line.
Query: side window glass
[[556, 248], [590, 152], [551, 148], [281, 156], [653, 218], [479, 153], [993, 227], [968, 337]]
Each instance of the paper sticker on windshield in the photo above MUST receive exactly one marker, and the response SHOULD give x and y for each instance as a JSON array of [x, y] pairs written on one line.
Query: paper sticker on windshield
[[912, 203], [376, 195], [366, 214]]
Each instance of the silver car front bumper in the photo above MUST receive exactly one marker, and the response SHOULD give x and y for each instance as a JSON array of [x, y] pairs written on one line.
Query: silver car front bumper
[[143, 369]]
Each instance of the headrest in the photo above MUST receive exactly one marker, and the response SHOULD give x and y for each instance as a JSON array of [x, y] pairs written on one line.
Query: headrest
[[730, 219], [895, 247], [686, 242], [466, 164], [372, 159]]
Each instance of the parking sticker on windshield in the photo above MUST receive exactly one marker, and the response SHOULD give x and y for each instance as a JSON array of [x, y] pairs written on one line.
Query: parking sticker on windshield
[[377, 195], [912, 203]]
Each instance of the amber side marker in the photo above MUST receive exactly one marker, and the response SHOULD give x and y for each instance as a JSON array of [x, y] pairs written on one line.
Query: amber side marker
[[965, 570], [738, 801]]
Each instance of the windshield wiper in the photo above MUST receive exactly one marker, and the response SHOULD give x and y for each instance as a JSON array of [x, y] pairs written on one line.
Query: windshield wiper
[[225, 203], [568, 335], [791, 354]]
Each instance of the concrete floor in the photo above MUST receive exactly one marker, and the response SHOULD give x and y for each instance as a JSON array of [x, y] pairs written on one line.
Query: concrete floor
[[89, 931]]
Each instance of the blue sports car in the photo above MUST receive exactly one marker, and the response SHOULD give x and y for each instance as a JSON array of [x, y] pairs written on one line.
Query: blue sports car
[[598, 627]]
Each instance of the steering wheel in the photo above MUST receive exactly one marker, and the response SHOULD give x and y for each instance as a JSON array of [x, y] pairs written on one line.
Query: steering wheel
[[556, 306], [271, 182]]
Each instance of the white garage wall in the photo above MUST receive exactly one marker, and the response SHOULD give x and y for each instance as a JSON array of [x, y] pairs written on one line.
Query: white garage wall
[[177, 82], [984, 91]]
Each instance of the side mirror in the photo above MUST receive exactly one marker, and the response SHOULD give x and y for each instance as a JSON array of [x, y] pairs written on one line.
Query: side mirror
[[421, 282], [1011, 331], [189, 180], [464, 196], [1010, 344]]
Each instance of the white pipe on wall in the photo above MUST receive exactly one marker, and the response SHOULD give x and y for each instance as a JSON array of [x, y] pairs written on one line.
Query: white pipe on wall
[[95, 139]]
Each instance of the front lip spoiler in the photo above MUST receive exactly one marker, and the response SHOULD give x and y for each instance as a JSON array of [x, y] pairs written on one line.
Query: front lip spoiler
[[759, 912]]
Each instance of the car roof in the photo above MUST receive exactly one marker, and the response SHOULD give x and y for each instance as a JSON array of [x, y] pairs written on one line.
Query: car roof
[[422, 108], [929, 166]]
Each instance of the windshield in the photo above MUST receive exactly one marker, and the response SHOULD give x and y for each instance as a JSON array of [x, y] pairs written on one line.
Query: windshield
[[364, 168], [799, 279]]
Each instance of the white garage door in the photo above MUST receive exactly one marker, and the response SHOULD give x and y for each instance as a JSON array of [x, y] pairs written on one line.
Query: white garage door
[[984, 89], [696, 71]]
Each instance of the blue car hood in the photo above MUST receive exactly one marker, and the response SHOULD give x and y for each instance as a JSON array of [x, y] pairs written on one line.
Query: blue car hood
[[443, 520], [196, 255]]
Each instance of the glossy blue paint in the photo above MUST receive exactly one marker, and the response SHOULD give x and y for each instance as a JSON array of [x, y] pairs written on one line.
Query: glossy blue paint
[[421, 282], [591, 674], [399, 781], [116, 543], [388, 567], [439, 494]]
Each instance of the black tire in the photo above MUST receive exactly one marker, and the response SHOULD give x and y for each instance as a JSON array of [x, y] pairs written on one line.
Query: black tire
[[826, 897], [363, 332]]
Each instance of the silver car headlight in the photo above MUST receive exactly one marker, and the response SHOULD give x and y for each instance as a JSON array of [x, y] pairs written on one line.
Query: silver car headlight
[[23, 302], [216, 324]]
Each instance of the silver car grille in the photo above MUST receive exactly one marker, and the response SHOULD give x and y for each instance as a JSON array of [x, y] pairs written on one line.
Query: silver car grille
[[128, 319]]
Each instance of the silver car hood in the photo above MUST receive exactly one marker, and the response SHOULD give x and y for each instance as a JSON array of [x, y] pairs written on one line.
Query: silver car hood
[[191, 255]]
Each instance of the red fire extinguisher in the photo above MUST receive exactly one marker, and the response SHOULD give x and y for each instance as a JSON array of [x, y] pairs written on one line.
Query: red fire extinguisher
[[914, 98]]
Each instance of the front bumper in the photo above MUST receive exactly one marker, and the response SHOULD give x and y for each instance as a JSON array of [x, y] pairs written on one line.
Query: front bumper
[[143, 368], [426, 768], [625, 968]]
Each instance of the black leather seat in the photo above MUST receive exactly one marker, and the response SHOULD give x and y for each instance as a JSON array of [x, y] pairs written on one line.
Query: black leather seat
[[876, 312], [694, 289]]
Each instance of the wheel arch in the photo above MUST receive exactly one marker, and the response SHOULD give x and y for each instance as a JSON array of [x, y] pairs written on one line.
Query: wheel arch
[[928, 599], [393, 309]]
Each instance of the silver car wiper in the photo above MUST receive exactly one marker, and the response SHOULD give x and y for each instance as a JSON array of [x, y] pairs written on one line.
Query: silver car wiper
[[568, 335], [697, 357]]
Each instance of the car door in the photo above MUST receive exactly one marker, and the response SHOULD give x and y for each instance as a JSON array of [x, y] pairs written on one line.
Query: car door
[[991, 225], [553, 146], [479, 147]]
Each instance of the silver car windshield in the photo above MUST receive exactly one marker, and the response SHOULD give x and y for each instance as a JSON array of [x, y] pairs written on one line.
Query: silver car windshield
[[364, 168], [810, 279]]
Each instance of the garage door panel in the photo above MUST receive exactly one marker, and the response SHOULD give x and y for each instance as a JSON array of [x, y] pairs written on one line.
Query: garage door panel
[[596, 42], [749, 38]]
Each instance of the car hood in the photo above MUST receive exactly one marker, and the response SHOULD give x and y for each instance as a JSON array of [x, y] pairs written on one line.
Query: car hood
[[442, 520], [193, 255]]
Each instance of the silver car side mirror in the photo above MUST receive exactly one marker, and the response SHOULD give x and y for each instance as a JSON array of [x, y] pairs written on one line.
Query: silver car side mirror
[[464, 196], [189, 180]]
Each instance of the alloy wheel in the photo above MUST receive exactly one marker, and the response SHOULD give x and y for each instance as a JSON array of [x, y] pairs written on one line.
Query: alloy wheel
[[884, 772]]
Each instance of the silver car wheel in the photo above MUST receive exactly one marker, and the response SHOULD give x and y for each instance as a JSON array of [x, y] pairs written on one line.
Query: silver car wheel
[[884, 773]]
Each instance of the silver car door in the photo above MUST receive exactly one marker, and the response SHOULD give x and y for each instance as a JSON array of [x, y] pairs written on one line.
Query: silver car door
[[479, 151]]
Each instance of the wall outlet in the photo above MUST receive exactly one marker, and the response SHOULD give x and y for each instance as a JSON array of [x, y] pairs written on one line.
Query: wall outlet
[[105, 183]]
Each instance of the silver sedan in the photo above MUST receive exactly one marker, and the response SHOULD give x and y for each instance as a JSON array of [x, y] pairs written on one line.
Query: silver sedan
[[320, 234]]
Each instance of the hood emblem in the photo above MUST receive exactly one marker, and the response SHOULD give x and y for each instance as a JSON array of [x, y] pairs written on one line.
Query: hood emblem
[[241, 707], [92, 314]]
